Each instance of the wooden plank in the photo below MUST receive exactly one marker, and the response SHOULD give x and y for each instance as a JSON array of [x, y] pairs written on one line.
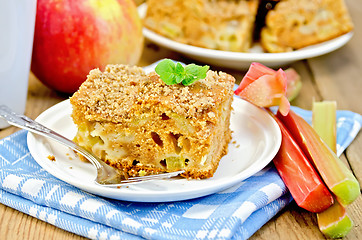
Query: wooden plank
[[338, 75], [354, 153], [309, 91], [330, 78]]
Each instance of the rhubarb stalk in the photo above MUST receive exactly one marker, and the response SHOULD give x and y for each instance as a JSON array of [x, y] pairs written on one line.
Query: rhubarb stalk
[[264, 87], [302, 180], [333, 222], [324, 122], [338, 178]]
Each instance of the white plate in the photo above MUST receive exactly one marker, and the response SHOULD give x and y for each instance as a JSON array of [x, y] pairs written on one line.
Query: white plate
[[239, 60], [255, 140]]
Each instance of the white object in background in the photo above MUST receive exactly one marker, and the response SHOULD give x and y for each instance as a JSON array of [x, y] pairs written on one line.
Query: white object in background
[[17, 21]]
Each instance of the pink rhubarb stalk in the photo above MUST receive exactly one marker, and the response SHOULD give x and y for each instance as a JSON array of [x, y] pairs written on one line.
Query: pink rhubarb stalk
[[265, 87], [338, 178], [302, 180]]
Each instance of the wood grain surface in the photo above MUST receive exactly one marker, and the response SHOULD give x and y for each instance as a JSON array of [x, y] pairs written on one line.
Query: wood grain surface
[[334, 76]]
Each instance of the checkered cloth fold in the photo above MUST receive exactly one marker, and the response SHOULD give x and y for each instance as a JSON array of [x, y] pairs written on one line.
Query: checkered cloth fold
[[235, 213]]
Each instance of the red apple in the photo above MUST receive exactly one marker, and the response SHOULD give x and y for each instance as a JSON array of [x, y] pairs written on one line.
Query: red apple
[[74, 36]]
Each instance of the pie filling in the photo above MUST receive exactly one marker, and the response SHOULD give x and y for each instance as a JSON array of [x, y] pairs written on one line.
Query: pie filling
[[161, 143]]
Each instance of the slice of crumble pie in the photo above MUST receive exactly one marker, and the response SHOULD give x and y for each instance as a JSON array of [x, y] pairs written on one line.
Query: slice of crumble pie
[[135, 122]]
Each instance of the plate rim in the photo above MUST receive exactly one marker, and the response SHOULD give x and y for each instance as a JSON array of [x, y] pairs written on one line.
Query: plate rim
[[304, 53], [160, 196]]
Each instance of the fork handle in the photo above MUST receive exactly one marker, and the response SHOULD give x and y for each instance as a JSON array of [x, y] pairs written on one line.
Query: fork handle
[[24, 122], [29, 124]]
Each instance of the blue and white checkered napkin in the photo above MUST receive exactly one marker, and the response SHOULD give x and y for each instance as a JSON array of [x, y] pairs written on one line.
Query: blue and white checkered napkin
[[235, 213]]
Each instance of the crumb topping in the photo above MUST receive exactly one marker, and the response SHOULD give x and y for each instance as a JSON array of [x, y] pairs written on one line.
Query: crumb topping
[[118, 92]]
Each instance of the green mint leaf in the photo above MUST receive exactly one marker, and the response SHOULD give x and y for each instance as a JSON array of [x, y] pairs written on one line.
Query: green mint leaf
[[174, 73], [166, 69], [179, 72], [194, 73]]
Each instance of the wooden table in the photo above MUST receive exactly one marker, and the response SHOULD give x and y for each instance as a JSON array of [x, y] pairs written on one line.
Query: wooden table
[[335, 76]]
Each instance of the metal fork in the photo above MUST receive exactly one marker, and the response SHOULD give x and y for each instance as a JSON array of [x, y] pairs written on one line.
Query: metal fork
[[106, 175]]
